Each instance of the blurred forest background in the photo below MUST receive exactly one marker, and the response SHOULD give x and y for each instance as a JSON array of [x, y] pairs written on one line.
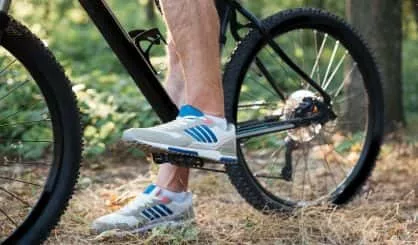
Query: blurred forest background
[[110, 101], [385, 212]]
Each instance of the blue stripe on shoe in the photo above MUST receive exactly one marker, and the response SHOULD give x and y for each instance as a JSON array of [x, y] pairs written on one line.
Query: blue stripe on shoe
[[149, 189], [146, 214], [192, 134], [188, 110], [154, 214], [204, 133], [228, 160], [176, 150], [160, 211], [210, 132], [165, 209], [200, 135]]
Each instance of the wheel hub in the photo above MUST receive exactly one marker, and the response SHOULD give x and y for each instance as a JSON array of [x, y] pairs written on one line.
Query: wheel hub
[[301, 104]]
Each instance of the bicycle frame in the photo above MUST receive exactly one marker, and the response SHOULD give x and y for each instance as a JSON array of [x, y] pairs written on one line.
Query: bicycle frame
[[138, 67]]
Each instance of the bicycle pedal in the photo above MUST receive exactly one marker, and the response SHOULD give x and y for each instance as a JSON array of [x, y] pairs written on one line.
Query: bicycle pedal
[[179, 160]]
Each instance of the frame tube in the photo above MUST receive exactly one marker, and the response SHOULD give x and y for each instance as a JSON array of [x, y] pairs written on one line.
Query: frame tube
[[259, 26], [131, 58]]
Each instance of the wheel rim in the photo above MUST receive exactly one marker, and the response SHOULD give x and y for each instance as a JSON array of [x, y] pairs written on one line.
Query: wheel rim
[[312, 160], [28, 148]]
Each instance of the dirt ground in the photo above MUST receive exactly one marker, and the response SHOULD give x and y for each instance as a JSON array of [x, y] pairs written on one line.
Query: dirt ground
[[385, 212]]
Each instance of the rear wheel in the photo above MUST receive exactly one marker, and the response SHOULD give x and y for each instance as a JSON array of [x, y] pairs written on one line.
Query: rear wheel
[[40, 138], [321, 160]]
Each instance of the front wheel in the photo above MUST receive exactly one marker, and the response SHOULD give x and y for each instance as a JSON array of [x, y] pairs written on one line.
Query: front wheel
[[40, 138], [294, 148]]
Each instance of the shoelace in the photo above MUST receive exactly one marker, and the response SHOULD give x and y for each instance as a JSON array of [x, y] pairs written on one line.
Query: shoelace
[[141, 201], [179, 123]]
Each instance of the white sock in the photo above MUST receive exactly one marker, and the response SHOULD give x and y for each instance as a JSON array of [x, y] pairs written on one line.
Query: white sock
[[174, 196], [220, 121]]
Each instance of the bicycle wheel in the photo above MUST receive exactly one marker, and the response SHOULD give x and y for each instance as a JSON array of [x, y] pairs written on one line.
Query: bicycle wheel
[[40, 138], [322, 160]]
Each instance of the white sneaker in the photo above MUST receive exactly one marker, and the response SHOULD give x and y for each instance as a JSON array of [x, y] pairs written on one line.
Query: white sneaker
[[150, 209], [192, 134]]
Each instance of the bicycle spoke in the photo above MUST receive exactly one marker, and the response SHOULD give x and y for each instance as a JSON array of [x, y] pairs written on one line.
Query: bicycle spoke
[[256, 106], [34, 163], [24, 123], [318, 56], [31, 127], [269, 78], [330, 171], [24, 141], [315, 33], [311, 185], [305, 166], [17, 112], [338, 165], [7, 66], [9, 218], [345, 80], [270, 167], [322, 155], [20, 181], [323, 141], [334, 52], [335, 71], [348, 97], [260, 84], [295, 169], [346, 122], [15, 197], [278, 61], [301, 44], [13, 89], [250, 97]]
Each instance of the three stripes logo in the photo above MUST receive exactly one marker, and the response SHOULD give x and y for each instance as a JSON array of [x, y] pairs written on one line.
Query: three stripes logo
[[157, 212], [202, 134]]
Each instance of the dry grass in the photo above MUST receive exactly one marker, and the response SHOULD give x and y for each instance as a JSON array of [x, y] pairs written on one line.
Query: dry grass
[[386, 212]]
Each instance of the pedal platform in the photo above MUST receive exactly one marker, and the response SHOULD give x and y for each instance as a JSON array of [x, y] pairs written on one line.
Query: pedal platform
[[179, 160]]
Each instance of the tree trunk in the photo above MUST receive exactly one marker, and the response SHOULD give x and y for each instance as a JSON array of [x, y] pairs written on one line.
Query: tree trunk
[[380, 22]]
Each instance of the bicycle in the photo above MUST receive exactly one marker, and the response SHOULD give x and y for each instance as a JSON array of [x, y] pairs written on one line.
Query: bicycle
[[295, 111]]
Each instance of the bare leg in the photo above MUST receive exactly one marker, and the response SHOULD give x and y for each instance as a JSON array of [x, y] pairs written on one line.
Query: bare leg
[[171, 177], [194, 78], [194, 58], [194, 28]]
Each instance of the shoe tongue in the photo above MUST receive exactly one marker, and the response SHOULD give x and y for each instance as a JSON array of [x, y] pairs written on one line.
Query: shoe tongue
[[152, 190], [190, 111]]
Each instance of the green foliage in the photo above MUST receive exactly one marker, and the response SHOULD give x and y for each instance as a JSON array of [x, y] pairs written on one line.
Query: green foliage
[[410, 85], [19, 136], [99, 78], [347, 145], [174, 235], [109, 100]]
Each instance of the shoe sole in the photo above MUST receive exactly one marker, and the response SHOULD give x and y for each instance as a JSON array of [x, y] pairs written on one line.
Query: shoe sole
[[210, 155], [170, 224], [167, 224], [173, 221]]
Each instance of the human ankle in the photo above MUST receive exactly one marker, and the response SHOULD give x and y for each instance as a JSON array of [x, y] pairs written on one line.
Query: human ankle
[[174, 196], [173, 187], [220, 121]]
